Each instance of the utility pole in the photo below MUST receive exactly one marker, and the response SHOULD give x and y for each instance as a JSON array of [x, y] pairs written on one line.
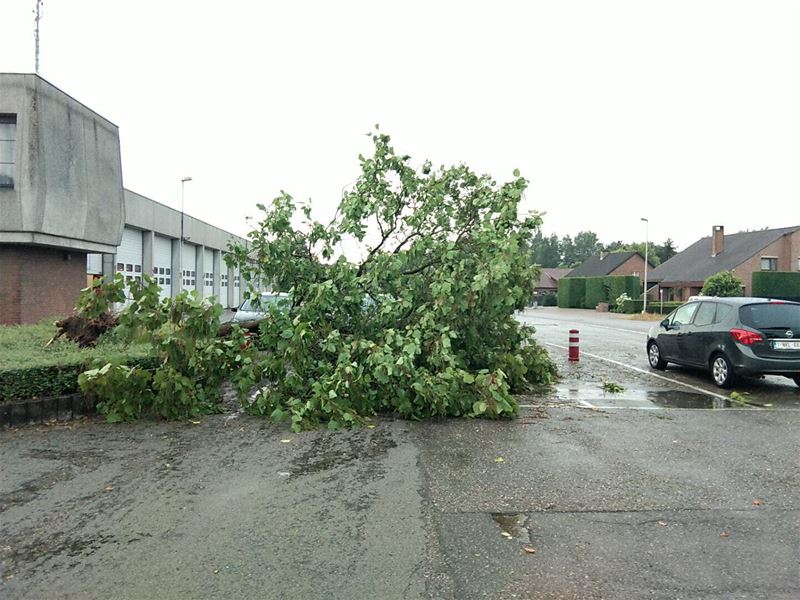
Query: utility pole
[[646, 244], [38, 13], [180, 256]]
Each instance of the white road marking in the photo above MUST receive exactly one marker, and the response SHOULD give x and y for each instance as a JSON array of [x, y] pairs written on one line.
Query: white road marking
[[581, 323], [638, 370]]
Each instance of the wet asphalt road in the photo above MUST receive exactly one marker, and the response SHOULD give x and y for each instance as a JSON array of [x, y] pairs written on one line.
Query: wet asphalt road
[[635, 500]]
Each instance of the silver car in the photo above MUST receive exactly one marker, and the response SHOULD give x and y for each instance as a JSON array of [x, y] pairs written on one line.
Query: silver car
[[249, 311]]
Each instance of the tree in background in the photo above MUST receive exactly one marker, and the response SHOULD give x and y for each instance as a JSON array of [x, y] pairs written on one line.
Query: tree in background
[[666, 250], [724, 283], [545, 251], [567, 248], [586, 245], [552, 251]]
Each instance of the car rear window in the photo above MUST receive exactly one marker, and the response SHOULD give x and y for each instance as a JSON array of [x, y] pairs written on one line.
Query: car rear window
[[771, 315]]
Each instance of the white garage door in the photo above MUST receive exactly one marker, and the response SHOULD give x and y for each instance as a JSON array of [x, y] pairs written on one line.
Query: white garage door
[[208, 276], [189, 278], [129, 254], [162, 264]]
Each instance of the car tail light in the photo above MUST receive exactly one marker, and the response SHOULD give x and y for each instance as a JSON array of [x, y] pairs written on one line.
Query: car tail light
[[746, 337]]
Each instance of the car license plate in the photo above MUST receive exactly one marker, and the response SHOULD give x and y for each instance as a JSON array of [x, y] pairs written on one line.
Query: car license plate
[[786, 344]]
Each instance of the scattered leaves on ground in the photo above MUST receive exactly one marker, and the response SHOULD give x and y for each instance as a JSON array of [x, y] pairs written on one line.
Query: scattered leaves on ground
[[612, 387]]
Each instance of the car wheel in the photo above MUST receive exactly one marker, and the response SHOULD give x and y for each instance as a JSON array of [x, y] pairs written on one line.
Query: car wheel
[[654, 357], [722, 371]]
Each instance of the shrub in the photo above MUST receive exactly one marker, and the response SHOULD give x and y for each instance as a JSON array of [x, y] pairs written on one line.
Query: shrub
[[423, 324], [782, 286], [192, 361], [550, 300], [724, 283]]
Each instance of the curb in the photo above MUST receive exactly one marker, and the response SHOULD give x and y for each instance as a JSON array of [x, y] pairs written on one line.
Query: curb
[[42, 410]]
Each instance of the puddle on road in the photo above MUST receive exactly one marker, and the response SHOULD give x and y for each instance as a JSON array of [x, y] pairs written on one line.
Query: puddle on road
[[514, 525], [666, 398], [675, 399]]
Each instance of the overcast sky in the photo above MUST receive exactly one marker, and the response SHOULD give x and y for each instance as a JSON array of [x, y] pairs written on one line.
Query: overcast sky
[[687, 113]]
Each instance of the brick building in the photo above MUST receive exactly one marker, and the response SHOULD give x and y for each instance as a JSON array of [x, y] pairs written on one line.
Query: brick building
[[742, 253]]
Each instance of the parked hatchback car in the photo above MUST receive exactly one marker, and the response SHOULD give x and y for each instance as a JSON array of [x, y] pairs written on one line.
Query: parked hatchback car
[[730, 337]]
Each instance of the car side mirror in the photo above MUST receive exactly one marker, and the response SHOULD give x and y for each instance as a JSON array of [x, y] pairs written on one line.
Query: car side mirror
[[665, 323], [234, 309]]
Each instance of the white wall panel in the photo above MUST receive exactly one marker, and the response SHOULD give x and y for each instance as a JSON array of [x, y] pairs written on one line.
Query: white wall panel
[[94, 264]]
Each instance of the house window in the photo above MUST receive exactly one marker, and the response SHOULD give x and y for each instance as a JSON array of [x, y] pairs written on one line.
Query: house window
[[769, 263], [8, 139]]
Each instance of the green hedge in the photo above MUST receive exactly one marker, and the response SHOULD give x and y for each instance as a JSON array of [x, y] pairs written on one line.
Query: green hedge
[[596, 292], [43, 382], [588, 292], [571, 292], [29, 368], [655, 307], [782, 286], [545, 299]]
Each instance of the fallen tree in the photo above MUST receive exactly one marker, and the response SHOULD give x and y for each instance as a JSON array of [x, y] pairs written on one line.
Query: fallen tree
[[422, 323]]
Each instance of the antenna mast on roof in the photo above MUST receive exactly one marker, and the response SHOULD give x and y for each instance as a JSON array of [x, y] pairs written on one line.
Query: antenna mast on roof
[[38, 13]]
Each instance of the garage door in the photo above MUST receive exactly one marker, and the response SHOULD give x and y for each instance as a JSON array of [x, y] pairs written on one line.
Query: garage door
[[189, 278], [129, 254], [208, 276], [162, 264]]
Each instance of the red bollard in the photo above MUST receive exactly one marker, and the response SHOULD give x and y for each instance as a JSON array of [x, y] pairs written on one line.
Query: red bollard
[[574, 351]]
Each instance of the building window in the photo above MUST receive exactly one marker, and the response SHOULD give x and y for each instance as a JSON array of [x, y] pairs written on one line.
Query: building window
[[769, 263], [8, 139]]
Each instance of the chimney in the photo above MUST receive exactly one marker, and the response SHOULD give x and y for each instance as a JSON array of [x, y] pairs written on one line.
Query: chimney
[[717, 239]]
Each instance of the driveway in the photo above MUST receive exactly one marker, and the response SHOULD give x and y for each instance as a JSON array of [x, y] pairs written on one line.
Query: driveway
[[569, 501]]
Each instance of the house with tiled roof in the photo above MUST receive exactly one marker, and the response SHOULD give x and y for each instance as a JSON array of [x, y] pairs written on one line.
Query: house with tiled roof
[[611, 263], [742, 253], [548, 280]]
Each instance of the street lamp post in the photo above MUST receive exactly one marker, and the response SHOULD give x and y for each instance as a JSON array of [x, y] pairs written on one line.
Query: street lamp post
[[646, 244], [180, 250]]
